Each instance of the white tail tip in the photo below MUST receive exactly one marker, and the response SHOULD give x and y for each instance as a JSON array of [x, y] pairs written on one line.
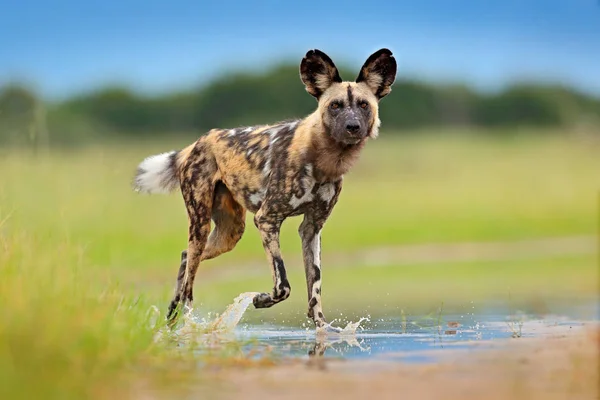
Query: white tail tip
[[157, 174]]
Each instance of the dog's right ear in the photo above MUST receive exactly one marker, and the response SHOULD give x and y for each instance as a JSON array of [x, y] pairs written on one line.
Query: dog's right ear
[[379, 73], [318, 72]]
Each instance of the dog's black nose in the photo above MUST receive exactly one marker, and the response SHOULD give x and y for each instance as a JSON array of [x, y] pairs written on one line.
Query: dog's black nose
[[352, 127]]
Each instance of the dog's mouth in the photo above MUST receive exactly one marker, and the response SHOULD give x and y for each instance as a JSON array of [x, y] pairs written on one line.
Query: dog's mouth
[[350, 141]]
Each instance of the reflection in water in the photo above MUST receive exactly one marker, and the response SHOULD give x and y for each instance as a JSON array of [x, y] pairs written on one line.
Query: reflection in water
[[321, 344], [318, 349]]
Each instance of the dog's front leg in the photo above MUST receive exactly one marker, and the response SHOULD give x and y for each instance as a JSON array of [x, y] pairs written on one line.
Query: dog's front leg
[[269, 232], [310, 233]]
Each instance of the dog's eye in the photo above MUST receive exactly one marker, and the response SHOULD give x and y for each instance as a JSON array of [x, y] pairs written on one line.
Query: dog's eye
[[363, 104], [335, 105]]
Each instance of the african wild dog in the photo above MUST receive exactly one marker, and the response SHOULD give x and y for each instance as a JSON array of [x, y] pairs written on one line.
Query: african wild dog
[[274, 171]]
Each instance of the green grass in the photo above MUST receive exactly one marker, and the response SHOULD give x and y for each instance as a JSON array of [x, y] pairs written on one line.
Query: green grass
[[62, 335], [405, 190], [82, 257]]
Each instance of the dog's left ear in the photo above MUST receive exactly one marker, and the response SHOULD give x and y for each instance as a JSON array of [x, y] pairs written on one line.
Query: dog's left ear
[[379, 73], [318, 72]]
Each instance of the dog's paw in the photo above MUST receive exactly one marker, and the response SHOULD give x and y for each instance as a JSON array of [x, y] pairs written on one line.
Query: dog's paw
[[262, 300]]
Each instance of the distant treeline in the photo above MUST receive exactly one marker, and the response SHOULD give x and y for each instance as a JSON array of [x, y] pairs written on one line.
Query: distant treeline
[[247, 99]]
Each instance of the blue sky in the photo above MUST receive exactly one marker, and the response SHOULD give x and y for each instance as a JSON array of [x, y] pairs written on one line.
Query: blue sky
[[68, 46]]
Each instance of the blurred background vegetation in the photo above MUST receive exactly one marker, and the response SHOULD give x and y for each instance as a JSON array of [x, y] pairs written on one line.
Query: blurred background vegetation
[[246, 98]]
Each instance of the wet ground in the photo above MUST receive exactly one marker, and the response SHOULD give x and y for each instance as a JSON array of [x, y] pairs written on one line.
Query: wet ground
[[551, 362], [397, 339]]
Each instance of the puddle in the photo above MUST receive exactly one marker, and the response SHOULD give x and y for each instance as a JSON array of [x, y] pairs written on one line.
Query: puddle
[[402, 339], [386, 340]]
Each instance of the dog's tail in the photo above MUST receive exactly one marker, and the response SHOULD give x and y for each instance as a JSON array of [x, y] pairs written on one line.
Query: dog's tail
[[158, 173]]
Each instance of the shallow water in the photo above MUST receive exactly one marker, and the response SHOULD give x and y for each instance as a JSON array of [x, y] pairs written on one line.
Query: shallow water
[[405, 339], [388, 340]]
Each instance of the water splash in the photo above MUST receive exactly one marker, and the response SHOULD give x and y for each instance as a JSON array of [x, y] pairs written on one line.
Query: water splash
[[348, 330], [201, 329], [233, 313], [212, 329]]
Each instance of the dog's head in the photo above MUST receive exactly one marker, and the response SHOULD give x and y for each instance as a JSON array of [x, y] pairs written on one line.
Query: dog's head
[[349, 110]]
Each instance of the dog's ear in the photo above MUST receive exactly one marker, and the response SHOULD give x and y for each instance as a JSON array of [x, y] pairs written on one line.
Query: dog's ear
[[318, 72], [379, 73]]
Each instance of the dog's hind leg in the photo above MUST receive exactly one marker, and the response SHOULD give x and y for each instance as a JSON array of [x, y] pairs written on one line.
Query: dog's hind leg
[[229, 218], [199, 228], [197, 188], [181, 272]]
